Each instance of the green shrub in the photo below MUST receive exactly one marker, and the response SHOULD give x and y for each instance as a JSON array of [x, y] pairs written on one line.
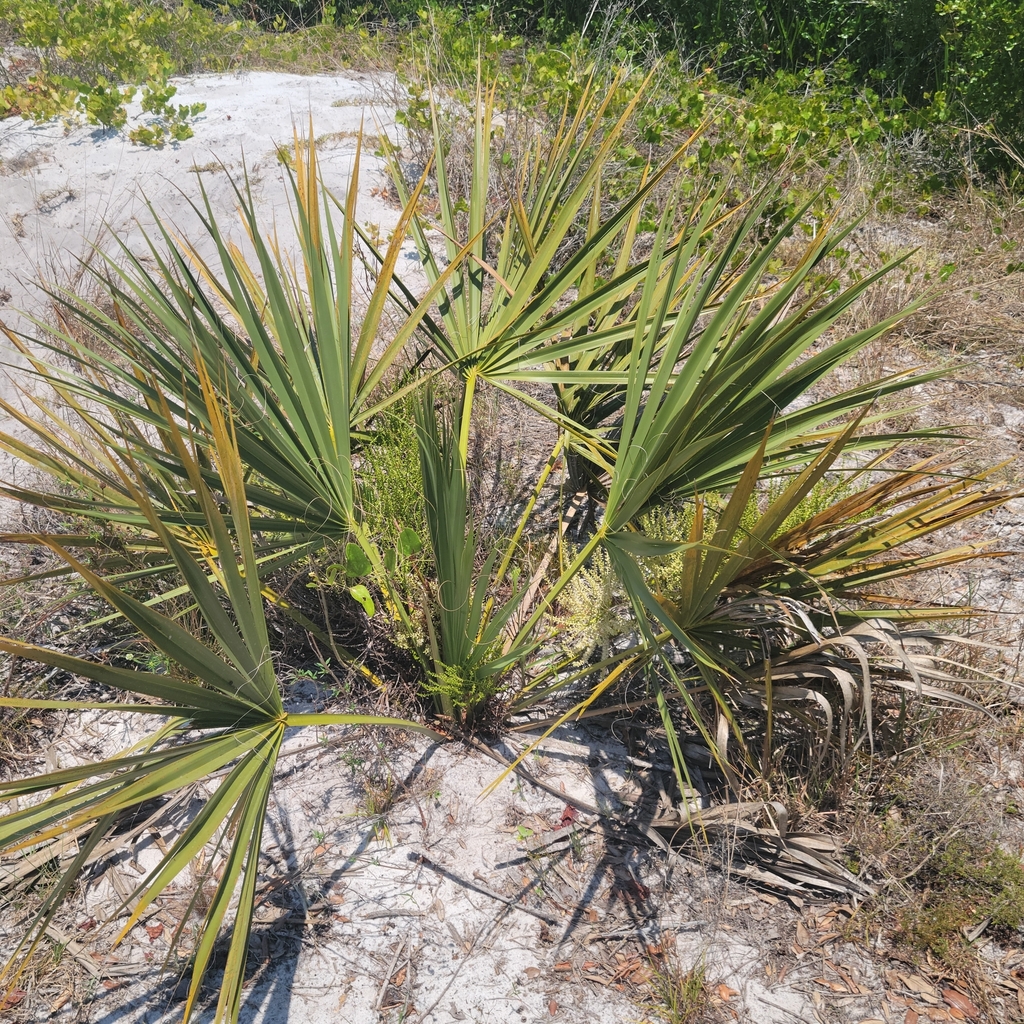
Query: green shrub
[[95, 54], [814, 74], [806, 120], [984, 41]]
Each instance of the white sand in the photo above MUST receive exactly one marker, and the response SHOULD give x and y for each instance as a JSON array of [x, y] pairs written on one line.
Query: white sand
[[62, 191]]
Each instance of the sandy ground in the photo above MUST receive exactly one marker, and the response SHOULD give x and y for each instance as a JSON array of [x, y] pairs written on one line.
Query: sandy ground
[[63, 191], [437, 904]]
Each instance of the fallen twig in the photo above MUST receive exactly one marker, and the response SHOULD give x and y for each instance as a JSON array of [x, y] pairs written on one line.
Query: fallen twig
[[399, 949], [423, 859]]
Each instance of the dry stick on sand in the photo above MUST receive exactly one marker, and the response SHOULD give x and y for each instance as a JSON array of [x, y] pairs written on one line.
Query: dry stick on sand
[[399, 950], [487, 926], [422, 858]]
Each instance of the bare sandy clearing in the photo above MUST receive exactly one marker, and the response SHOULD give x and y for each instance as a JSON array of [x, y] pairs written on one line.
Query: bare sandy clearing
[[62, 191]]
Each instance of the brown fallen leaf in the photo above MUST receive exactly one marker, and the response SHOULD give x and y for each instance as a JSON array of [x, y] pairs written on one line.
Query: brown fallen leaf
[[832, 986], [851, 986], [725, 993], [803, 936], [911, 1016], [960, 1002], [532, 972], [12, 998], [399, 979], [154, 931], [920, 986], [563, 965], [552, 1007]]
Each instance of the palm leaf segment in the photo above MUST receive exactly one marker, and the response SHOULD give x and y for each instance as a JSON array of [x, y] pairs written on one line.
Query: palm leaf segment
[[292, 365], [223, 712], [469, 648]]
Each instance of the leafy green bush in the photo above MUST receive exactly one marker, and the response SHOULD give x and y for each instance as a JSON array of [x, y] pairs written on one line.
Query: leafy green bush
[[984, 43], [945, 57], [805, 120], [95, 54], [814, 74]]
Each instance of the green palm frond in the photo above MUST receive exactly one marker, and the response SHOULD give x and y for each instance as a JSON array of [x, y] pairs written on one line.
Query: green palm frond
[[847, 551], [292, 364], [468, 647], [223, 709], [516, 303]]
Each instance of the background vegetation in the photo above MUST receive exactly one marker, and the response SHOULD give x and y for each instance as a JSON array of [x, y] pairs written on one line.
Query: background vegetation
[[815, 75]]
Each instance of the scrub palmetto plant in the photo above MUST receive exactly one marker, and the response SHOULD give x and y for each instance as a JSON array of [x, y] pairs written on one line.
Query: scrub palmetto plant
[[468, 652], [216, 414], [223, 725], [752, 600]]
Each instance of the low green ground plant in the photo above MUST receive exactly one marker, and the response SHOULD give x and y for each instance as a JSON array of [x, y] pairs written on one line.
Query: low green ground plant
[[972, 885], [994, 878], [944, 850], [681, 996]]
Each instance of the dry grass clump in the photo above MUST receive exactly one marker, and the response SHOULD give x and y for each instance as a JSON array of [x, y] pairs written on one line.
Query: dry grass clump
[[968, 258], [681, 995], [939, 825]]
